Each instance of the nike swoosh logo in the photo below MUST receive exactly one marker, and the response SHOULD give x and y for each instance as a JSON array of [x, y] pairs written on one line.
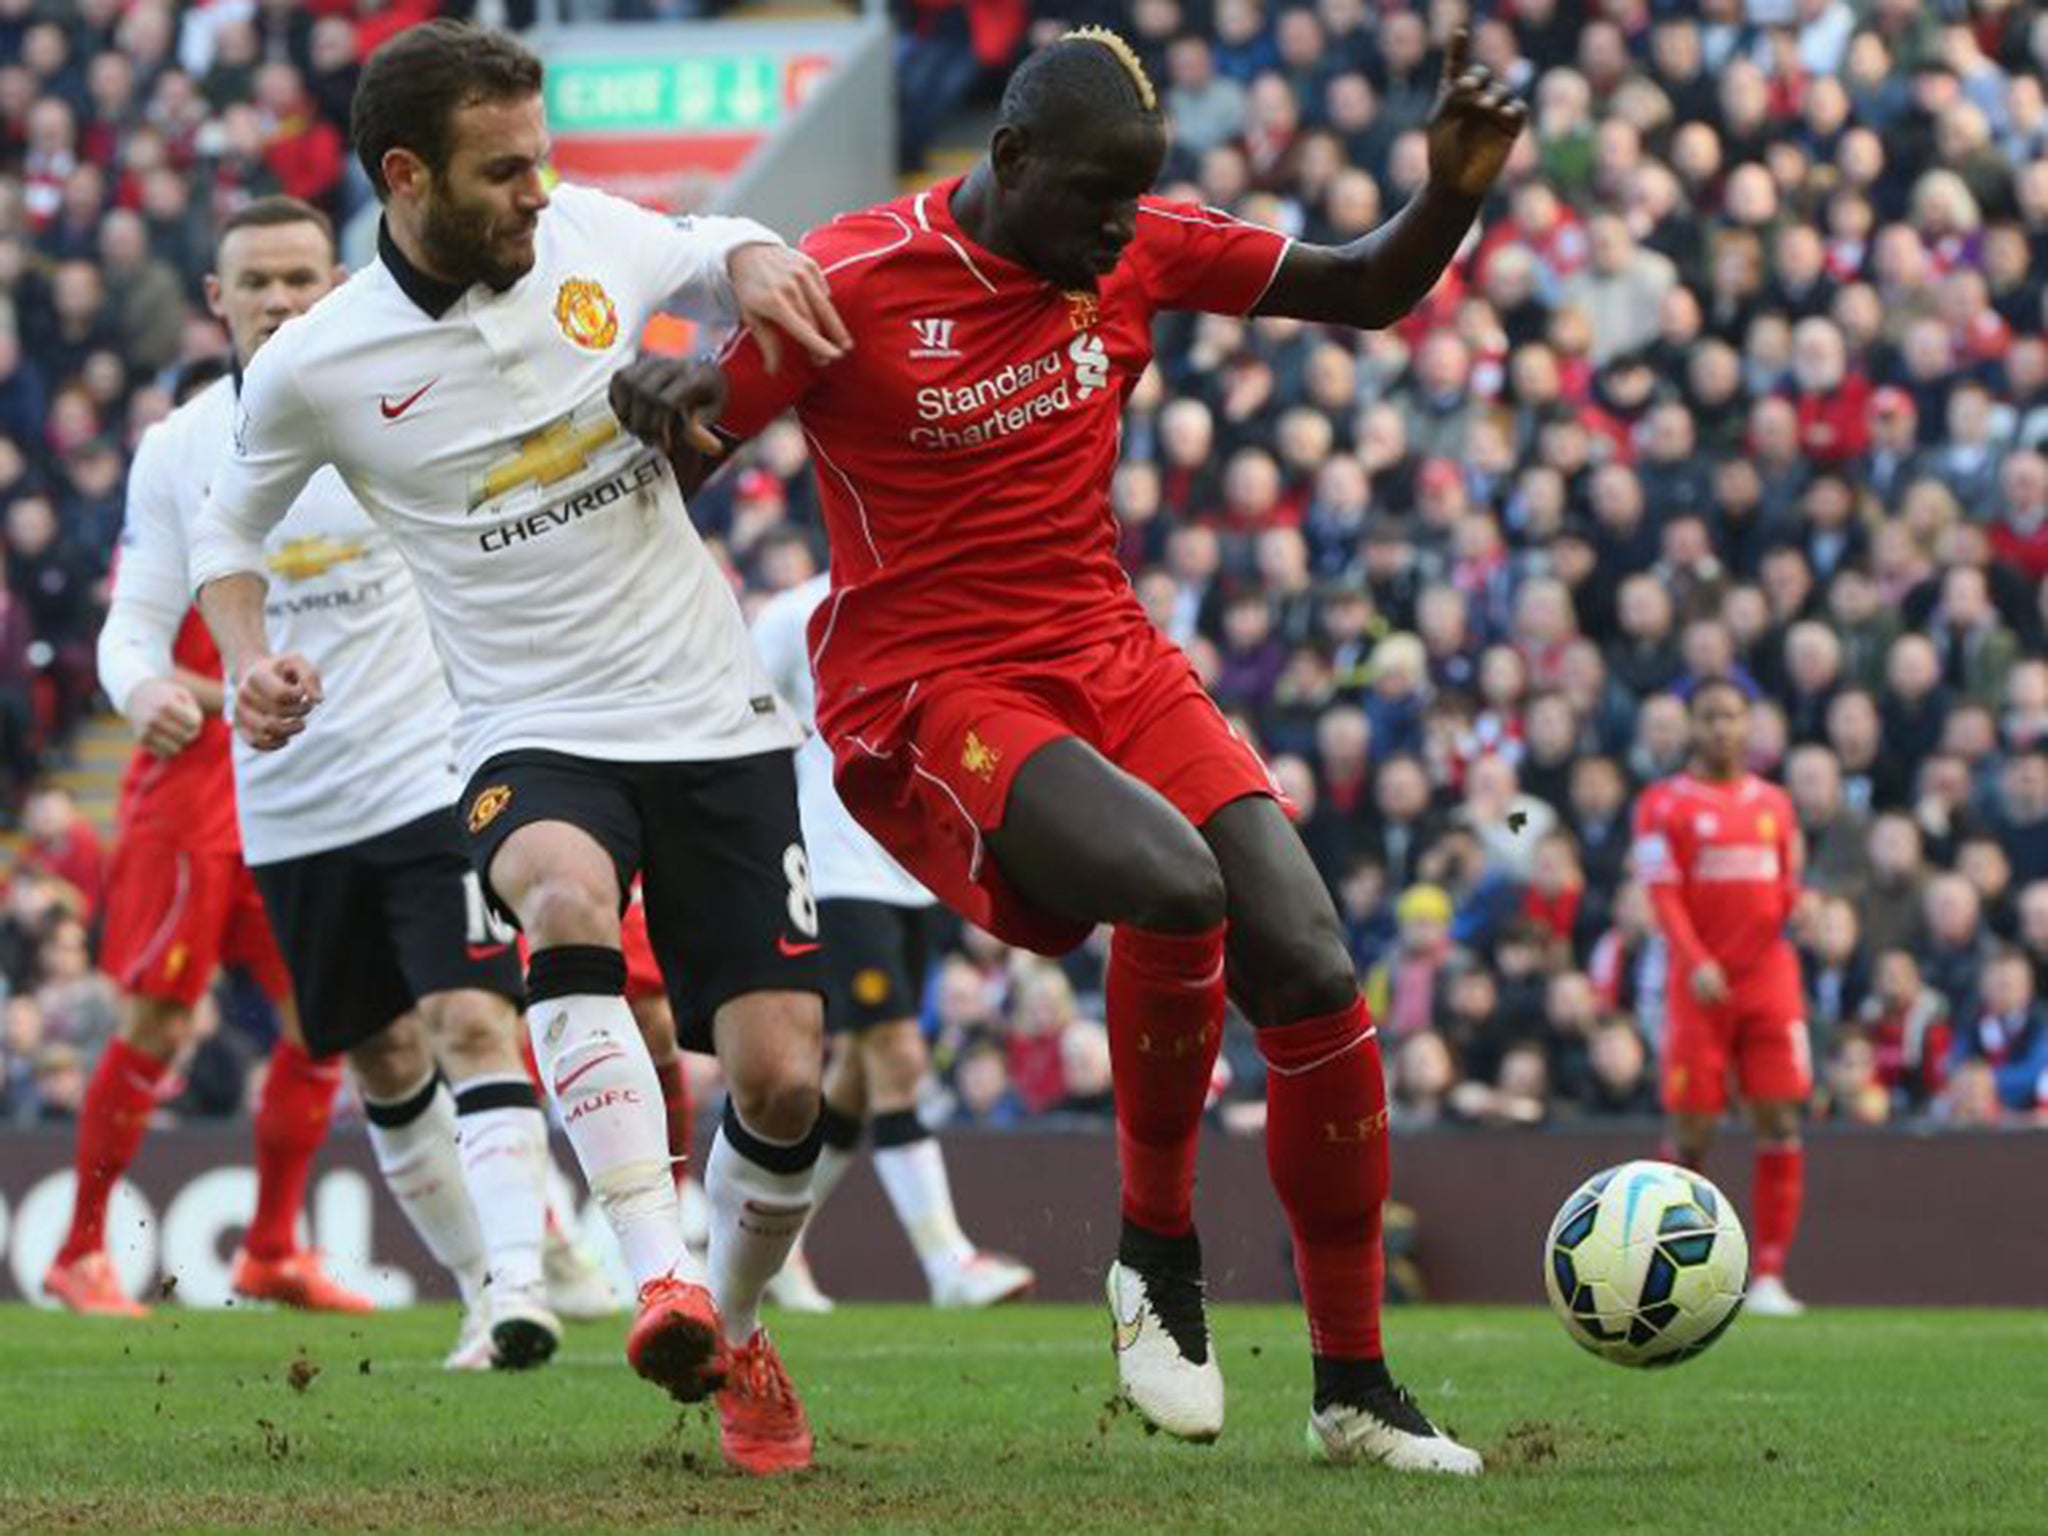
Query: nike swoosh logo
[[569, 1080], [792, 951], [480, 952], [1126, 1329], [393, 412]]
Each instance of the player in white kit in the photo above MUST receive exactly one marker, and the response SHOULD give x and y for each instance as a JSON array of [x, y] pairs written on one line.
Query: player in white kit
[[353, 839], [612, 720], [876, 923]]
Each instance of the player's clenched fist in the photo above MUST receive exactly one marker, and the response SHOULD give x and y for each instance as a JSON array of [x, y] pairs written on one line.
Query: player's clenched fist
[[273, 696], [164, 715], [779, 290], [670, 403]]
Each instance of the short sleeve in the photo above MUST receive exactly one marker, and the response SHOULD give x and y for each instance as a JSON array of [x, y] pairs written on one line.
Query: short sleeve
[[754, 396], [1198, 258], [1656, 861]]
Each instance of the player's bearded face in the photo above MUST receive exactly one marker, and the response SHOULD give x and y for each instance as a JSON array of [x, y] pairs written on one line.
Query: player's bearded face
[[474, 240], [483, 208]]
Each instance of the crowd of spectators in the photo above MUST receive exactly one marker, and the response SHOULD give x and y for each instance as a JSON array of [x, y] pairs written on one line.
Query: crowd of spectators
[[1745, 375]]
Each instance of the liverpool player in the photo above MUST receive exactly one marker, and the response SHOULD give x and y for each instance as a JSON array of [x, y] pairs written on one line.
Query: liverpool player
[[1008, 724], [1718, 849], [180, 904], [876, 923], [611, 719]]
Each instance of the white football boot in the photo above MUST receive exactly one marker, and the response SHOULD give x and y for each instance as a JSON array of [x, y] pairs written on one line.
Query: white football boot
[[1164, 1362], [524, 1333], [982, 1279], [1768, 1298], [577, 1287], [472, 1351], [795, 1288], [1391, 1430]]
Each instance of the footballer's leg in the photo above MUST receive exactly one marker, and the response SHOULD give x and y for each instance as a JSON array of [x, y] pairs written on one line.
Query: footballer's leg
[[1326, 1133], [734, 927], [1084, 840], [119, 1100], [1775, 1067], [535, 822], [842, 1121], [502, 1140]]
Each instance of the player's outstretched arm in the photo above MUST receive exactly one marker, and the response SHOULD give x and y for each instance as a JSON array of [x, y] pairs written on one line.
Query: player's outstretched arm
[[1377, 279]]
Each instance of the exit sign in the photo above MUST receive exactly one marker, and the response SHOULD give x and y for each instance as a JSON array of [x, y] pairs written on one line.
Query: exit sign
[[705, 93]]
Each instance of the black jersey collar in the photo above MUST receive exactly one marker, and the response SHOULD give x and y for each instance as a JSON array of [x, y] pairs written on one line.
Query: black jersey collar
[[432, 294]]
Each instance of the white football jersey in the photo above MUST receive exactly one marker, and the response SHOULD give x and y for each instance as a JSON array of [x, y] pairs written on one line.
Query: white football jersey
[[846, 861], [379, 753], [574, 606]]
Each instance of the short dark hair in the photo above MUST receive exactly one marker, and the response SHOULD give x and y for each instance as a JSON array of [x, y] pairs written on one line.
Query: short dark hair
[[272, 212], [1073, 79], [1709, 685], [413, 85]]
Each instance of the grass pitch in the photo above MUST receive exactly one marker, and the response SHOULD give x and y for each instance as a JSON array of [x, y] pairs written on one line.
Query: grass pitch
[[929, 1422]]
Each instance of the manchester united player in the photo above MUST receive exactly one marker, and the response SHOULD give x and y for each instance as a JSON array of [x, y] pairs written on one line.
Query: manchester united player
[[1719, 849], [611, 717], [1009, 725]]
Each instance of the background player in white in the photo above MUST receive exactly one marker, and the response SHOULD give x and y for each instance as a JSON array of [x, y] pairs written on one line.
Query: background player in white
[[876, 923], [612, 719], [353, 840]]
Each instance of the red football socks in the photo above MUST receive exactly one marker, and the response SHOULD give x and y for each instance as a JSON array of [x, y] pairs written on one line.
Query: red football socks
[[1165, 1006], [675, 1100], [1326, 1150], [291, 1122], [111, 1124], [1780, 1191]]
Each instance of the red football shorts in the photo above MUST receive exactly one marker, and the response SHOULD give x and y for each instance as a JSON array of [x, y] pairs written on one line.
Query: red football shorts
[[928, 772], [1758, 1038], [175, 917]]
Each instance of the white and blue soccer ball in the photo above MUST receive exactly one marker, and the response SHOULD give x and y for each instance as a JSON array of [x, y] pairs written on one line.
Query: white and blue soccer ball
[[1646, 1264]]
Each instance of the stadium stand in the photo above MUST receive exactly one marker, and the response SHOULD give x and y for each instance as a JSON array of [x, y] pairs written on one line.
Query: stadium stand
[[1747, 376]]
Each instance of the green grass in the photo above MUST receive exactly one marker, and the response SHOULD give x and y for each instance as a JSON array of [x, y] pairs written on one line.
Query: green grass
[[1846, 1421]]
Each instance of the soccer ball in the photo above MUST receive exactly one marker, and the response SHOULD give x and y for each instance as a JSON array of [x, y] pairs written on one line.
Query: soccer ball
[[1646, 1264]]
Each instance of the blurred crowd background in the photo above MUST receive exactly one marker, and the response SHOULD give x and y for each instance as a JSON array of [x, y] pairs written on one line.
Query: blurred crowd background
[[1745, 375]]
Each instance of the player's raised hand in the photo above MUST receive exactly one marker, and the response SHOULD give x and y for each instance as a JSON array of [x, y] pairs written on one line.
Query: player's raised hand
[[1476, 121], [272, 699], [164, 716], [670, 403], [781, 291]]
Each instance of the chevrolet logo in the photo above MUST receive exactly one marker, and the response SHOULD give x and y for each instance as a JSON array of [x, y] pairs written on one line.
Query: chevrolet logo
[[548, 457], [304, 559]]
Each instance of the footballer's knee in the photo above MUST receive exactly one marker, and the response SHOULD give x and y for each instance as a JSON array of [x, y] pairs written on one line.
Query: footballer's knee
[[1291, 973], [1177, 885], [156, 1028], [473, 1032], [1775, 1120], [894, 1056], [771, 1044], [569, 908], [394, 1060]]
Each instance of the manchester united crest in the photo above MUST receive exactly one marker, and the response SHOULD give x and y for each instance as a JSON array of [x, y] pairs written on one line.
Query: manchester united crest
[[485, 808], [586, 314]]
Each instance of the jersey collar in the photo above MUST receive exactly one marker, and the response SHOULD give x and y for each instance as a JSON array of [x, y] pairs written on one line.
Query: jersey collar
[[431, 294]]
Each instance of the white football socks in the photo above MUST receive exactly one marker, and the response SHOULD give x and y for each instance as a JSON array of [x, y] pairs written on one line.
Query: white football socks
[[913, 1174], [504, 1141], [598, 1072], [760, 1194], [413, 1137]]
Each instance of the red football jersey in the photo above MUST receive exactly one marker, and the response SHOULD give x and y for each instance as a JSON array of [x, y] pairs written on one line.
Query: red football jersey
[[1730, 853], [187, 800], [965, 446]]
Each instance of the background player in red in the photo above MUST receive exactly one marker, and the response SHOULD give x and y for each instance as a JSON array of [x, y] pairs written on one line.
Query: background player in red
[[180, 904], [1718, 849], [1009, 725]]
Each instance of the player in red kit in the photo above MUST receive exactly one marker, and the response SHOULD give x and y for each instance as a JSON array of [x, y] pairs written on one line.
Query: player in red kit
[[1009, 725], [1718, 849], [180, 905]]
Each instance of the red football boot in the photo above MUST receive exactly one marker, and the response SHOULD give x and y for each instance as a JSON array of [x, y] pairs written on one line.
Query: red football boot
[[675, 1342], [89, 1286], [296, 1280], [761, 1425]]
